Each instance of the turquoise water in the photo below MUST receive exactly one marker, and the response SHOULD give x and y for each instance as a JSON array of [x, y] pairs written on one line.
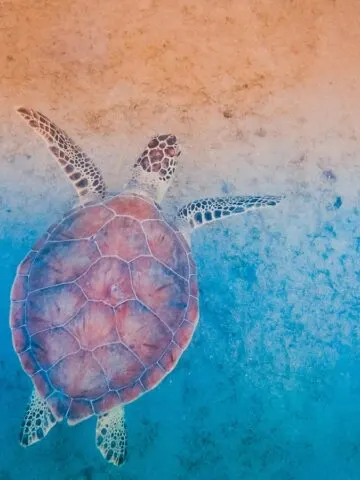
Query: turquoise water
[[269, 389]]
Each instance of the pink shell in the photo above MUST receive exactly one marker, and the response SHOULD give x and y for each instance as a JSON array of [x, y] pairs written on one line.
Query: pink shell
[[104, 306]]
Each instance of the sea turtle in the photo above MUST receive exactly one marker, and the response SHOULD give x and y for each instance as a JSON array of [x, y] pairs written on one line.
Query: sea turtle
[[106, 302]]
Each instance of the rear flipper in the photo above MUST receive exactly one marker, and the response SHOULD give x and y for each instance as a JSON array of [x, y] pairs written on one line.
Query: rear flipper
[[111, 438], [38, 421], [207, 210]]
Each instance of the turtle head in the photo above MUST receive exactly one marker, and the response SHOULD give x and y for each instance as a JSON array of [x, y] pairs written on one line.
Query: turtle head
[[154, 170]]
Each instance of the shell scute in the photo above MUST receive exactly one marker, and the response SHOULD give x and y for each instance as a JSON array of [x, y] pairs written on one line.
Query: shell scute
[[94, 325], [152, 377], [21, 339], [122, 237], [20, 288], [17, 314], [53, 307], [59, 404], [133, 318], [165, 293], [52, 345], [119, 364], [79, 410], [106, 403], [192, 313], [184, 334], [42, 385], [170, 357], [193, 286], [80, 375], [108, 280], [82, 224], [28, 362], [166, 247], [62, 262], [132, 392]]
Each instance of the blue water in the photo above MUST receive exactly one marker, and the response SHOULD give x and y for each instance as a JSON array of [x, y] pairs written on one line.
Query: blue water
[[269, 389]]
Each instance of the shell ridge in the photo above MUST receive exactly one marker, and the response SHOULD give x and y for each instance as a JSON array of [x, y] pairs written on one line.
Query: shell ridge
[[102, 370], [156, 258]]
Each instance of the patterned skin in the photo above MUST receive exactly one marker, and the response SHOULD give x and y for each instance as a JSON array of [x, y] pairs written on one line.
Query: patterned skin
[[104, 306], [79, 168], [160, 157]]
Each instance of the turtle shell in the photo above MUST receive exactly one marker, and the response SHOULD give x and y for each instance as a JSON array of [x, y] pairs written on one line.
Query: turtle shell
[[103, 306]]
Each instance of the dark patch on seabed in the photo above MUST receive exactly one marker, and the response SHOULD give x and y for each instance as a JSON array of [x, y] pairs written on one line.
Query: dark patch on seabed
[[270, 386]]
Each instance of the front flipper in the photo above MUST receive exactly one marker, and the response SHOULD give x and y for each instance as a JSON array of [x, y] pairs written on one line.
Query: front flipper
[[38, 421], [207, 210], [79, 168], [111, 437]]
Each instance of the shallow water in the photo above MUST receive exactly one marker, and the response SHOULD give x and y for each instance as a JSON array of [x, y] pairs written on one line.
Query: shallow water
[[268, 389]]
